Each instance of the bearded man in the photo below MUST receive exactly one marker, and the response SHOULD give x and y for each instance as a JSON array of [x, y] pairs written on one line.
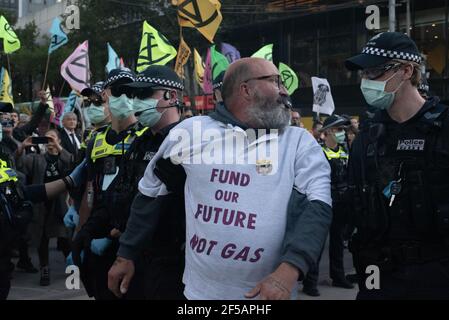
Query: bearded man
[[248, 176]]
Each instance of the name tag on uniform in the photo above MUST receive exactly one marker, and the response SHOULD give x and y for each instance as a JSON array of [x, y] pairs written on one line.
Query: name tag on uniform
[[107, 180]]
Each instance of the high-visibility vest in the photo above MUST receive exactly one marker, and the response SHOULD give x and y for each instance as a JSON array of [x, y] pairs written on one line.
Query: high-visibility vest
[[340, 154], [102, 149], [6, 174]]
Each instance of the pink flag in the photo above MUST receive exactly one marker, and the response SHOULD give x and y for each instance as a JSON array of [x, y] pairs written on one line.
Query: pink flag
[[59, 110], [207, 82], [75, 69]]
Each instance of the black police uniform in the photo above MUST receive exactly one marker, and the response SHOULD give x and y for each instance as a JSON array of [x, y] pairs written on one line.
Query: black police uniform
[[15, 214], [163, 256], [94, 268], [398, 175]]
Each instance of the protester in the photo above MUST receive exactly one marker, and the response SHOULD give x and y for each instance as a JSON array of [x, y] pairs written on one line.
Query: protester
[[317, 133], [47, 222], [70, 141], [242, 262], [23, 120]]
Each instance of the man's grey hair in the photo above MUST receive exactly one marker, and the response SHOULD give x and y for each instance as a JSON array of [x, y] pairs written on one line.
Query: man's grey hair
[[69, 114]]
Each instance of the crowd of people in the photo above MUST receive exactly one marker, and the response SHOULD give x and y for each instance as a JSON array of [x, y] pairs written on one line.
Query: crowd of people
[[152, 203]]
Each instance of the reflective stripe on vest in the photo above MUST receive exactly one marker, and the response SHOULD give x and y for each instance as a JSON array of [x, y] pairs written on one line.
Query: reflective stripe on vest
[[6, 174], [102, 149], [86, 141], [340, 154]]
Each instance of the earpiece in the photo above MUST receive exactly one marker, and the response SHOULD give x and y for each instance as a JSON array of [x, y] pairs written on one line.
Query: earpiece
[[167, 95]]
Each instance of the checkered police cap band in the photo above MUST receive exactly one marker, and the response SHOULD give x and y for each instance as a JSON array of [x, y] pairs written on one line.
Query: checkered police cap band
[[98, 87], [117, 77], [161, 82], [392, 54]]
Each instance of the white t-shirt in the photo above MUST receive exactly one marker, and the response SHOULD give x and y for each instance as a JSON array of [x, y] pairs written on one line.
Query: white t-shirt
[[236, 213]]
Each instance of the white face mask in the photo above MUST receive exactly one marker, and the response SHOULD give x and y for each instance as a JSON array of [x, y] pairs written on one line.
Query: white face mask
[[375, 94]]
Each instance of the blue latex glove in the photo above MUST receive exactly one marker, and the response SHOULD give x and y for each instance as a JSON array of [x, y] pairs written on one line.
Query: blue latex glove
[[71, 218], [69, 259], [99, 246], [78, 174]]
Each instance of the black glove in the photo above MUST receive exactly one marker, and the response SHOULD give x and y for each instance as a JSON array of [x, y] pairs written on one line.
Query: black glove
[[81, 242], [173, 176]]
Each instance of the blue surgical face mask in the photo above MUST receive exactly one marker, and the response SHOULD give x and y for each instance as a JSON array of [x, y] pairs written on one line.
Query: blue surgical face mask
[[375, 94], [149, 115], [95, 113], [121, 107], [340, 137]]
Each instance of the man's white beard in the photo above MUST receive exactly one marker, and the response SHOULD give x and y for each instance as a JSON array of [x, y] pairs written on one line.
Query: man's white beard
[[268, 115]]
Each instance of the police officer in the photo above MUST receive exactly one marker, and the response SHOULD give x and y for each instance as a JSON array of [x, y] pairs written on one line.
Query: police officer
[[96, 112], [104, 155], [398, 175], [157, 92], [334, 149], [16, 211]]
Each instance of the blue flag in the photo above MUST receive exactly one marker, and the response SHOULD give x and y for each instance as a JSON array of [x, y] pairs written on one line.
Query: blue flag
[[113, 59], [58, 37], [69, 104]]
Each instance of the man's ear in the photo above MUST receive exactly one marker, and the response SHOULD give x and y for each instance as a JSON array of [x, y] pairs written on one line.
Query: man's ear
[[171, 96], [244, 91], [104, 96], [408, 72]]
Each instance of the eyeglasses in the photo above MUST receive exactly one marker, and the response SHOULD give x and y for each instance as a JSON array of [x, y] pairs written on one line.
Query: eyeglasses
[[275, 78], [377, 72], [118, 90]]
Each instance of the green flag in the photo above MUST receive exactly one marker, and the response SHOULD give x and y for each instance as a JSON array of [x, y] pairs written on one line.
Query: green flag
[[289, 78], [219, 62], [10, 41], [266, 52], [154, 48]]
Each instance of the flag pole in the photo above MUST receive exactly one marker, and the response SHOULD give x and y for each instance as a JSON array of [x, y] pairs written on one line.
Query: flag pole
[[9, 65], [46, 71], [62, 87]]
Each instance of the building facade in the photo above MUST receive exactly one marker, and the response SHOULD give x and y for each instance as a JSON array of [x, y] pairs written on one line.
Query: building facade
[[316, 39]]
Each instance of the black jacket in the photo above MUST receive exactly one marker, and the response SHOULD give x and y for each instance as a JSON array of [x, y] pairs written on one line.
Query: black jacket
[[21, 133], [67, 144]]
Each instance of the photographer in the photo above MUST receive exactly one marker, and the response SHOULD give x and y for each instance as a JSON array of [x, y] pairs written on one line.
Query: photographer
[[43, 168]]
